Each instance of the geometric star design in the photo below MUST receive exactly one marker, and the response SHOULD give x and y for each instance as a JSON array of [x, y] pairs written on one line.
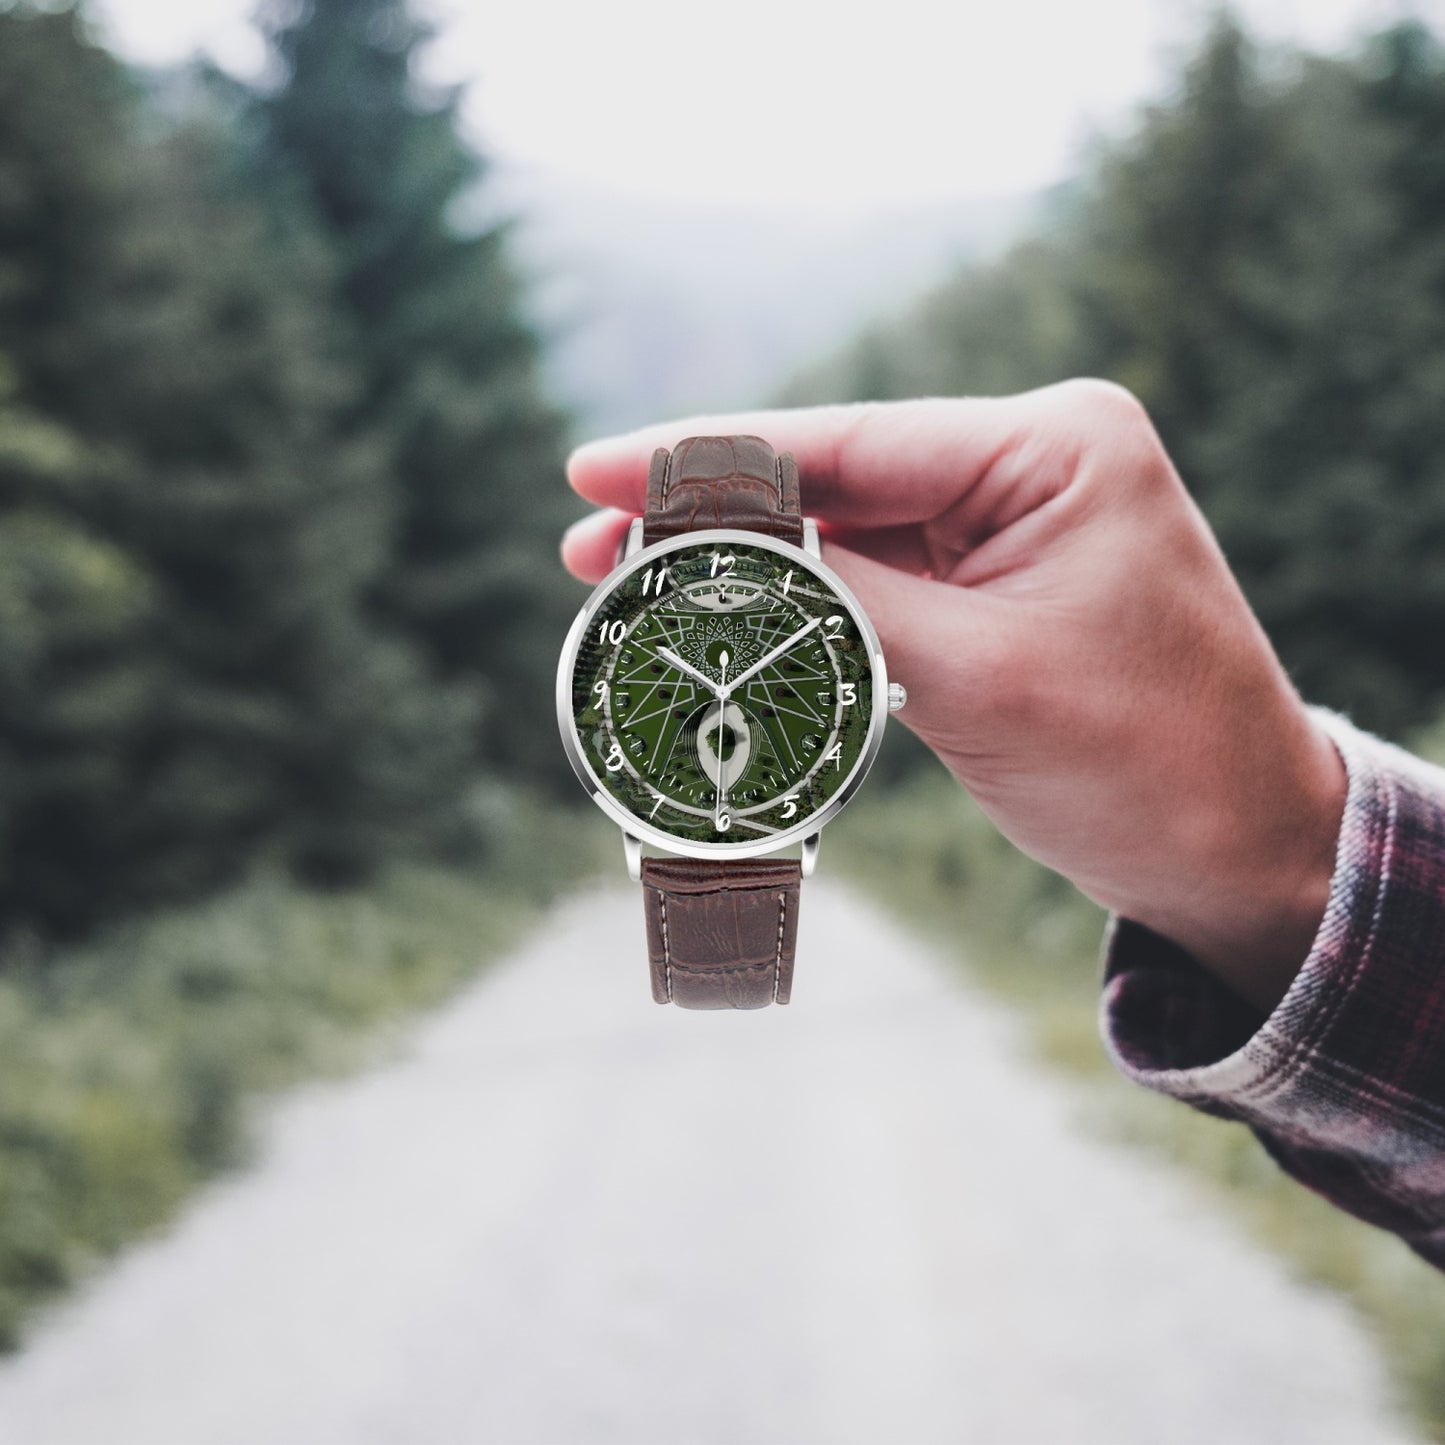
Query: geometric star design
[[713, 635]]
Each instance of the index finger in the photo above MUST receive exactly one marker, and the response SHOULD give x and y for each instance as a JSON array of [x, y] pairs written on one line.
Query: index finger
[[865, 465]]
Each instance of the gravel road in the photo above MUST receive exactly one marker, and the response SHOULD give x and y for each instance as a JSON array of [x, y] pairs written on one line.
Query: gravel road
[[567, 1215]]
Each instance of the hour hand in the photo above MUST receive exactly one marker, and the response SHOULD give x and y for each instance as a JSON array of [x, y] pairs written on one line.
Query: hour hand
[[669, 656]]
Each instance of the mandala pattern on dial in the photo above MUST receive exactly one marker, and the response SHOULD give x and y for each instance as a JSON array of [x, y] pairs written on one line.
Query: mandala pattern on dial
[[704, 644]]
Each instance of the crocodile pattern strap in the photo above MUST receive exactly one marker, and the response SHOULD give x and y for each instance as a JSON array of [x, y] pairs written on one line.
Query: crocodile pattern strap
[[721, 935], [734, 481]]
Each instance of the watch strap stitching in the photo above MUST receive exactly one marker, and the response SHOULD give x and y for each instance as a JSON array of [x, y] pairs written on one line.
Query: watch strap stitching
[[666, 956], [720, 935], [778, 959]]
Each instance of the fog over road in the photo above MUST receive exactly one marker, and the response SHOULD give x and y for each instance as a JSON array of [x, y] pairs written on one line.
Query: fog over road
[[567, 1215]]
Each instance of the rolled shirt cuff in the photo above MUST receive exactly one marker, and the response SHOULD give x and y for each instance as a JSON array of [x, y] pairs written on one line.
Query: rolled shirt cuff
[[1344, 1081]]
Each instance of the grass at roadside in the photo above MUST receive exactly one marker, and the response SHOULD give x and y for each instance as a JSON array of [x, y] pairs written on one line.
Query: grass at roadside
[[129, 1066], [926, 852]]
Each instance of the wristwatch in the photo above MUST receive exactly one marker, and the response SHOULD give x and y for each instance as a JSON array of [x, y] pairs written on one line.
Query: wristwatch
[[721, 695]]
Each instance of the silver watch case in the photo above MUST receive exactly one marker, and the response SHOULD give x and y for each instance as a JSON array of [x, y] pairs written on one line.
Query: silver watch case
[[639, 827]]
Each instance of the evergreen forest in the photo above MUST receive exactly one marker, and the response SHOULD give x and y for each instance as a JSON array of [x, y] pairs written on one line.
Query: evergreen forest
[[279, 483]]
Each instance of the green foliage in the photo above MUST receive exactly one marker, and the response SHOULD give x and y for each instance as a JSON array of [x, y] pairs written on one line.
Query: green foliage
[[76, 675], [1263, 263], [129, 1066], [227, 416], [451, 387]]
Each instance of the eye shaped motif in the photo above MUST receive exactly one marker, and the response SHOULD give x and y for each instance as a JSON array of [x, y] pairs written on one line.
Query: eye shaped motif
[[724, 740]]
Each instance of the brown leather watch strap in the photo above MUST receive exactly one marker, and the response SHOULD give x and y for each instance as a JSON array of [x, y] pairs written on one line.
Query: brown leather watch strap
[[736, 481], [721, 935]]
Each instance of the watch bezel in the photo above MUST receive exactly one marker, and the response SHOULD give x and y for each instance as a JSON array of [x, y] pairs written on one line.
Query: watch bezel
[[639, 827]]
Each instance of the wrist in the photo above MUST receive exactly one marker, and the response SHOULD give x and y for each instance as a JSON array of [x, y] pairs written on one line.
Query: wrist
[[1258, 874]]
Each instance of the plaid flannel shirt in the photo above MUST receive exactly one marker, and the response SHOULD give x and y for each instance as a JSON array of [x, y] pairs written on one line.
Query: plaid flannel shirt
[[1344, 1082]]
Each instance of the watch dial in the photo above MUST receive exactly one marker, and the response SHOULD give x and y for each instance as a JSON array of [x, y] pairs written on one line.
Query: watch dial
[[722, 693]]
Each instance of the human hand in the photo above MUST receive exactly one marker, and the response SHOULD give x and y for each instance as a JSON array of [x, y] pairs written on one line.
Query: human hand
[[1075, 650]]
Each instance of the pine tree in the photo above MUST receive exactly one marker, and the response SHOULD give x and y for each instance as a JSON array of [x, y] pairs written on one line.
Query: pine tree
[[158, 313], [77, 682], [1181, 220], [450, 365], [1250, 275]]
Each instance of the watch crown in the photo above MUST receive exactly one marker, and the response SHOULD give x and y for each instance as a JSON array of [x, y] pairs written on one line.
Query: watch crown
[[897, 696]]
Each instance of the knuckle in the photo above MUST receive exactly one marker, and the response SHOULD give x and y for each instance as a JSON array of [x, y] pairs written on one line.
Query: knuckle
[[1117, 431], [1106, 399]]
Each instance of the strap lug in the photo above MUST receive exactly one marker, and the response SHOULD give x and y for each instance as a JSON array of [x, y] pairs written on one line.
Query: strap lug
[[632, 852], [810, 853]]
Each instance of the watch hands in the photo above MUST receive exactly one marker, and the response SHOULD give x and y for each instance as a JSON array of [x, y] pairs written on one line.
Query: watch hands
[[724, 690], [728, 689], [669, 656]]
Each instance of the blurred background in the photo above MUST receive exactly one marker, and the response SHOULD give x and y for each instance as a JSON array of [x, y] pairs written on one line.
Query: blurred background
[[300, 310]]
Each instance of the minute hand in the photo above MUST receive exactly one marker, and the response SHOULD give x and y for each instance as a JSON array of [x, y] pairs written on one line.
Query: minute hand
[[770, 657]]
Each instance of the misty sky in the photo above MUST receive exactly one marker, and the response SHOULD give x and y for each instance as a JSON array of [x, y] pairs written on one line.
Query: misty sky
[[801, 104]]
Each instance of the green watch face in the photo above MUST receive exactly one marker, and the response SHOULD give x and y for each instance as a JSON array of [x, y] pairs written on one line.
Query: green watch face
[[722, 691]]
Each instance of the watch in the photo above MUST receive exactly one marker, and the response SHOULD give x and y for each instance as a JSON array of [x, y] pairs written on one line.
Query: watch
[[721, 696]]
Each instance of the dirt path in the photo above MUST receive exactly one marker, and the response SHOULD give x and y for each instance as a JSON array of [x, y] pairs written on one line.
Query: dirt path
[[569, 1216]]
